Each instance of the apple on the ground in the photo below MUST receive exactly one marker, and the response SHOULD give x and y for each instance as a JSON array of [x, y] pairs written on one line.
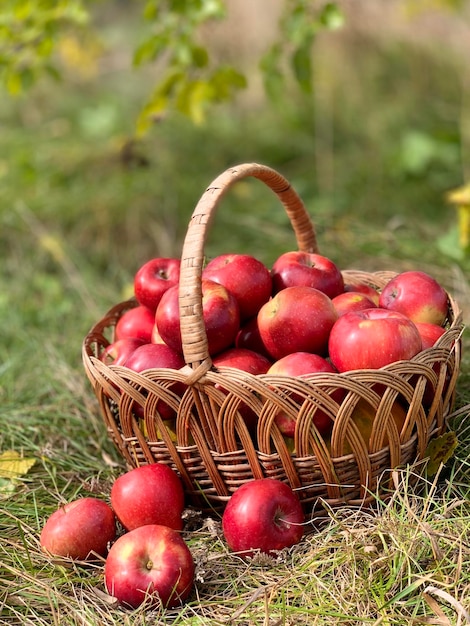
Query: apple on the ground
[[151, 563], [372, 338], [149, 494], [247, 278], [417, 295], [81, 529], [220, 312], [296, 319], [263, 514], [153, 278], [307, 269]]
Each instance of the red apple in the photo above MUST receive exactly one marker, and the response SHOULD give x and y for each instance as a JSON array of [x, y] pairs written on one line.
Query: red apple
[[248, 337], [364, 288], [220, 312], [417, 295], [430, 333], [153, 278], [154, 355], [296, 319], [81, 529], [243, 359], [301, 364], [307, 269], [117, 352], [149, 494], [247, 278], [157, 355], [151, 561], [156, 337], [372, 338], [136, 323], [263, 514], [247, 361], [352, 301]]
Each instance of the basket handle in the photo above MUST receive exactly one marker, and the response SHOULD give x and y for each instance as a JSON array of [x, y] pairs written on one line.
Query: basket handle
[[193, 333]]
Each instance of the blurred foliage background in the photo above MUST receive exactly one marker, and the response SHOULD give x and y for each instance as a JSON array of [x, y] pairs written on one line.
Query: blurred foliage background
[[115, 117]]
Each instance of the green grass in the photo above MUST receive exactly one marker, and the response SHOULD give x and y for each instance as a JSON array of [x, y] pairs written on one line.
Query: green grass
[[77, 219]]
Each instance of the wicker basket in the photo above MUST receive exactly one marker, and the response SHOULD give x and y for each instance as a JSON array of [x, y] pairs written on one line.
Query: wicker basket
[[211, 448]]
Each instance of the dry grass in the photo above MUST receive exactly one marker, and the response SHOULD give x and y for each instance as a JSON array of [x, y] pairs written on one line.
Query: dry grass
[[404, 563]]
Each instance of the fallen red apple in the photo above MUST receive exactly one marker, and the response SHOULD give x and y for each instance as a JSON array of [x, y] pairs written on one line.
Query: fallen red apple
[[364, 288], [296, 319], [301, 364], [149, 494], [153, 278], [263, 514], [152, 356], [372, 338], [352, 301], [136, 323], [81, 529], [150, 562], [220, 312], [117, 352], [307, 269], [417, 295], [247, 278]]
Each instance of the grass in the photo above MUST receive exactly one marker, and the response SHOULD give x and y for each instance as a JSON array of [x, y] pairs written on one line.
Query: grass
[[78, 215]]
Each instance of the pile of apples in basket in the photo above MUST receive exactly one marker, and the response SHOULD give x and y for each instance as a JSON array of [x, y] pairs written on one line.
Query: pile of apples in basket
[[295, 318]]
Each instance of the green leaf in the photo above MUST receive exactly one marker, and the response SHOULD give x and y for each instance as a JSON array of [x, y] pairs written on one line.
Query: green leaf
[[272, 75], [193, 99], [331, 16], [200, 56], [225, 81], [148, 50], [302, 66]]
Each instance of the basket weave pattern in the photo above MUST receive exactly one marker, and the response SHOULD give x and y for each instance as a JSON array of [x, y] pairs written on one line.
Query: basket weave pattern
[[212, 449]]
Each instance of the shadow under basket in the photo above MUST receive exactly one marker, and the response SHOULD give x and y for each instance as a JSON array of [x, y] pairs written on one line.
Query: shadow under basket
[[209, 444]]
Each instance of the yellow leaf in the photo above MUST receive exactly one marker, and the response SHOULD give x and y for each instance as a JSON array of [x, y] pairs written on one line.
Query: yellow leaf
[[440, 450], [13, 465], [54, 246]]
